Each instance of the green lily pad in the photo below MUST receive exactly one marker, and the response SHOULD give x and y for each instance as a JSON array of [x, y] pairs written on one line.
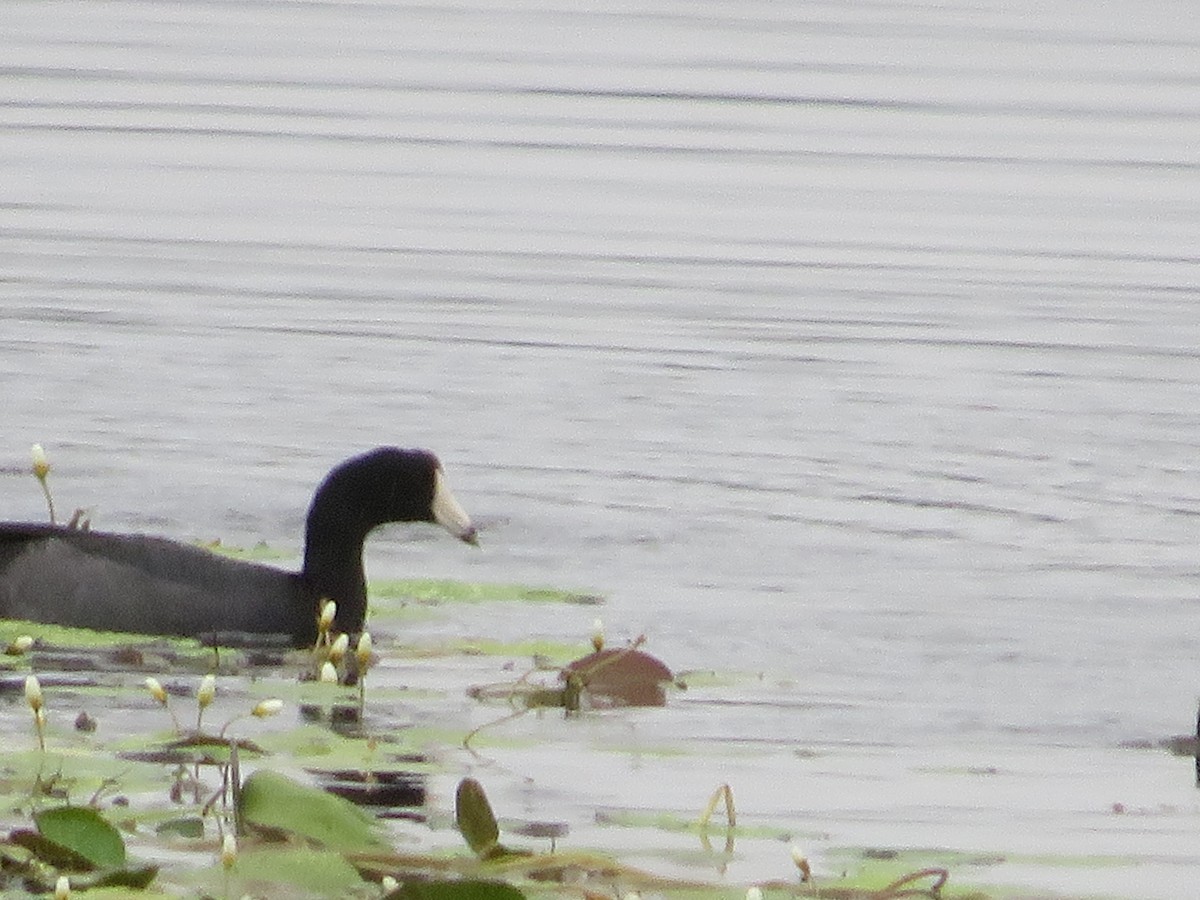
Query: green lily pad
[[322, 872], [49, 852], [467, 889], [85, 832], [118, 883], [260, 552], [435, 590], [47, 635], [186, 827], [277, 803], [475, 819]]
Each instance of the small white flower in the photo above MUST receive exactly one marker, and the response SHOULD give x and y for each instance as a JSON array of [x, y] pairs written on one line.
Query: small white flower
[[33, 693], [41, 465], [363, 651], [19, 646], [328, 612], [329, 674], [801, 862], [154, 686], [388, 883], [267, 708], [754, 893], [207, 690], [598, 635], [339, 647], [62, 888]]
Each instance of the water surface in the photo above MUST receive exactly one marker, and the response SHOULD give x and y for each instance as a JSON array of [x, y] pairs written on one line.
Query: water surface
[[852, 344]]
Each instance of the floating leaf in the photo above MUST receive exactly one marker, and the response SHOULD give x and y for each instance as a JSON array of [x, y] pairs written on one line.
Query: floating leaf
[[435, 591], [475, 819], [188, 827], [84, 831], [138, 879], [456, 890], [50, 852], [316, 872], [273, 801], [620, 677]]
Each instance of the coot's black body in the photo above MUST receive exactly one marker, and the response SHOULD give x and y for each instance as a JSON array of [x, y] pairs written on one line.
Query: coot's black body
[[152, 585]]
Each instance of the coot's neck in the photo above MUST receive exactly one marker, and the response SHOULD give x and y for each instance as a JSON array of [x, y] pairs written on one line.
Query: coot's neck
[[384, 485], [333, 560]]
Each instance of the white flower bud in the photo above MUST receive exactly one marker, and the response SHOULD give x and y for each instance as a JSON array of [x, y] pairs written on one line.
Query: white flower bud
[[20, 645], [206, 691], [339, 647], [801, 862], [267, 708], [41, 465], [156, 690], [363, 651], [33, 693]]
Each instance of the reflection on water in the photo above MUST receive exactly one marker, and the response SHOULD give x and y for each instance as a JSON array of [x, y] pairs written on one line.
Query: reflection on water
[[855, 344]]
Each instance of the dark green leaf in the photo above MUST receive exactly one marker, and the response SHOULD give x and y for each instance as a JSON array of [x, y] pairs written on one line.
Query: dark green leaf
[[273, 801], [456, 890], [189, 827], [84, 831], [475, 819], [50, 852], [138, 879], [317, 872]]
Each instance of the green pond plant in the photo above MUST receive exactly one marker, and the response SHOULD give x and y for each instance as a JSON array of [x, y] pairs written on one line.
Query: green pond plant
[[19, 646], [41, 469], [279, 834], [274, 817], [205, 694], [33, 698], [154, 686], [229, 854]]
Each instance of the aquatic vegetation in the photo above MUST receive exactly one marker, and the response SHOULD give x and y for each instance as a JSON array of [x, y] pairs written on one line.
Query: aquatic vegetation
[[274, 804], [602, 679], [33, 697], [41, 469], [201, 791], [75, 843], [260, 552], [436, 591]]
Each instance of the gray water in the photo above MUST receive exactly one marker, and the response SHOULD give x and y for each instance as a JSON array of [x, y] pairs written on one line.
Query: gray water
[[853, 344]]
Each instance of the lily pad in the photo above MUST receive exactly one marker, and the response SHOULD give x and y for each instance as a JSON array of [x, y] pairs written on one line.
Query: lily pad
[[197, 748], [260, 552], [319, 872], [50, 852], [276, 803], [185, 827], [624, 677], [475, 819], [466, 889], [85, 832], [435, 591]]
